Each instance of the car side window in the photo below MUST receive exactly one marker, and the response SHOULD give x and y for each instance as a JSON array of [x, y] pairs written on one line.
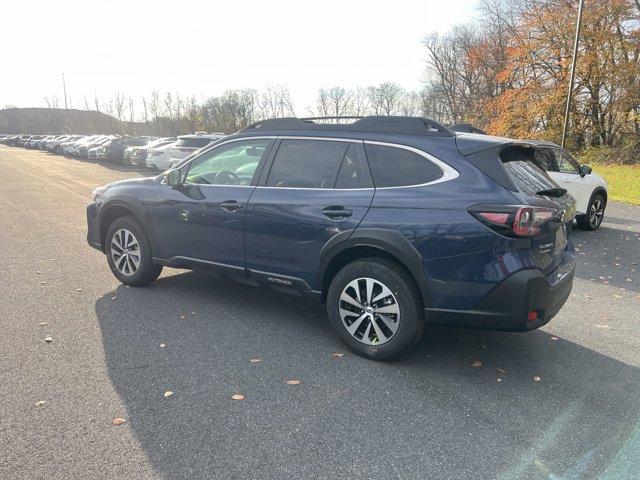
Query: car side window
[[233, 163], [354, 171], [307, 164], [544, 158], [565, 162], [398, 167]]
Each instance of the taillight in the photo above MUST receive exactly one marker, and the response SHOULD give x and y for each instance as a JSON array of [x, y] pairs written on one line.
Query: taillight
[[516, 220]]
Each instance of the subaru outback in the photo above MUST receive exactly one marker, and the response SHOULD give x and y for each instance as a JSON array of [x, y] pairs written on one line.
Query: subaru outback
[[393, 222]]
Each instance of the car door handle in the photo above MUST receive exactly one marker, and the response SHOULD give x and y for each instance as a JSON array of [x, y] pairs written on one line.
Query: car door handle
[[337, 212], [230, 205]]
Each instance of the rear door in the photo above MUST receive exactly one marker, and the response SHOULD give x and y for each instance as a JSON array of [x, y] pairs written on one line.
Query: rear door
[[312, 190]]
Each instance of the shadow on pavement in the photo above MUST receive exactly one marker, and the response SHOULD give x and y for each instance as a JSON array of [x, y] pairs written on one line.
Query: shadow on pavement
[[428, 415]]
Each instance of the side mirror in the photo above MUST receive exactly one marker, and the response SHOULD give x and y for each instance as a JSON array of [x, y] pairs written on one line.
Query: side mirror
[[173, 177], [585, 170]]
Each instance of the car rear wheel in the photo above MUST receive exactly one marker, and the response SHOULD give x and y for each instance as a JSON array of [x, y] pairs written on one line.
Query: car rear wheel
[[375, 308], [129, 253], [595, 213]]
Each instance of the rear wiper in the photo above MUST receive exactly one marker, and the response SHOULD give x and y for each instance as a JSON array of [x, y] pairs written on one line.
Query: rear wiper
[[552, 192]]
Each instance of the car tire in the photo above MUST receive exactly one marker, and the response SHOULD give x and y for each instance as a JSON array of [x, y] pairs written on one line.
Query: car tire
[[394, 310], [595, 213], [129, 252]]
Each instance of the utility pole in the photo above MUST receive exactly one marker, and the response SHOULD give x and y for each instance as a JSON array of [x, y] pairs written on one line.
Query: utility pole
[[573, 72], [66, 110]]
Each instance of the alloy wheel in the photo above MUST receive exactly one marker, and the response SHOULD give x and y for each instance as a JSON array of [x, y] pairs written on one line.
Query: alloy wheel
[[596, 213], [125, 252], [369, 311]]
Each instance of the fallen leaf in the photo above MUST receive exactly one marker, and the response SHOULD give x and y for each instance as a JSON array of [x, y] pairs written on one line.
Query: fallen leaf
[[78, 289], [502, 371], [293, 382], [162, 345], [48, 339], [168, 393], [237, 396], [589, 296], [39, 272], [554, 338], [337, 355], [40, 403], [476, 364], [536, 378], [118, 421], [43, 324], [254, 360], [616, 296], [43, 283]]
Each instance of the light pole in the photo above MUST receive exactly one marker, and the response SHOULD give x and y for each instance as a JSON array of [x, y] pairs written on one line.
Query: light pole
[[573, 72], [66, 110]]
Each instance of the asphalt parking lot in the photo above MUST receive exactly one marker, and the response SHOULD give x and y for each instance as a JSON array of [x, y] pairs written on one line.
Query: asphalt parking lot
[[428, 415]]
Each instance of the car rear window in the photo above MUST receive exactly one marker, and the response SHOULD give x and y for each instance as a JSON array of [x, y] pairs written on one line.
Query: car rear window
[[398, 167], [193, 142], [524, 170]]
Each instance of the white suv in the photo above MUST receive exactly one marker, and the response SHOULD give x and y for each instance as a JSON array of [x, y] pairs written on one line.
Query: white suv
[[589, 189], [187, 144]]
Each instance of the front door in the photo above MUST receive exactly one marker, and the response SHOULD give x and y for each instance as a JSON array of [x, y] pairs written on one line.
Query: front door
[[568, 176], [201, 222], [314, 190]]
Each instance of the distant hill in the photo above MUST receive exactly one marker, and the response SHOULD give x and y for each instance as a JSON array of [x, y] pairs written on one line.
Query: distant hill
[[55, 121]]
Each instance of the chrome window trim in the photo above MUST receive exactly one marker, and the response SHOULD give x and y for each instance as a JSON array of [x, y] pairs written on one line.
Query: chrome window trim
[[449, 173]]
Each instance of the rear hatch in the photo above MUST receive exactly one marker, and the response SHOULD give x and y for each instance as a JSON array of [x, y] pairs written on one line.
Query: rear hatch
[[536, 188], [512, 165]]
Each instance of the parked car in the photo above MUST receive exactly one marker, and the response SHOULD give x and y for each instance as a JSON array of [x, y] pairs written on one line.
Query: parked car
[[126, 156], [71, 148], [33, 141], [61, 147], [159, 158], [393, 222], [138, 155], [113, 150], [53, 144], [83, 150], [588, 188], [187, 144]]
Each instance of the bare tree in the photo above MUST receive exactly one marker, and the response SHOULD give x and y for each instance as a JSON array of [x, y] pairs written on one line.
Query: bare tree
[[384, 98], [52, 101]]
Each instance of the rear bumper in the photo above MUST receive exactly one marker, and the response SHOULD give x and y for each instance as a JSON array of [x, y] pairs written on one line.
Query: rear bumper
[[508, 305]]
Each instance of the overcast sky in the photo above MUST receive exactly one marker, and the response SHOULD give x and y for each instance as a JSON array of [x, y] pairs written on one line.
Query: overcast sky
[[204, 48]]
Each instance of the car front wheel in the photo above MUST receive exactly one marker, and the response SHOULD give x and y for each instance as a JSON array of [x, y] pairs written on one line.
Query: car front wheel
[[129, 253], [375, 308], [595, 213]]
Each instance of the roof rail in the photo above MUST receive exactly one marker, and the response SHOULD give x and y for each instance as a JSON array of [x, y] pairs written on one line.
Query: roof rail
[[466, 128], [383, 124]]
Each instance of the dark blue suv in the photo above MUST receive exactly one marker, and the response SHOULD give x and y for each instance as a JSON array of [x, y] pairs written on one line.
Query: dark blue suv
[[393, 222]]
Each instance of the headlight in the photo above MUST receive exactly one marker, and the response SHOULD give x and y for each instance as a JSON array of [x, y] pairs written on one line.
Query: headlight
[[99, 191]]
